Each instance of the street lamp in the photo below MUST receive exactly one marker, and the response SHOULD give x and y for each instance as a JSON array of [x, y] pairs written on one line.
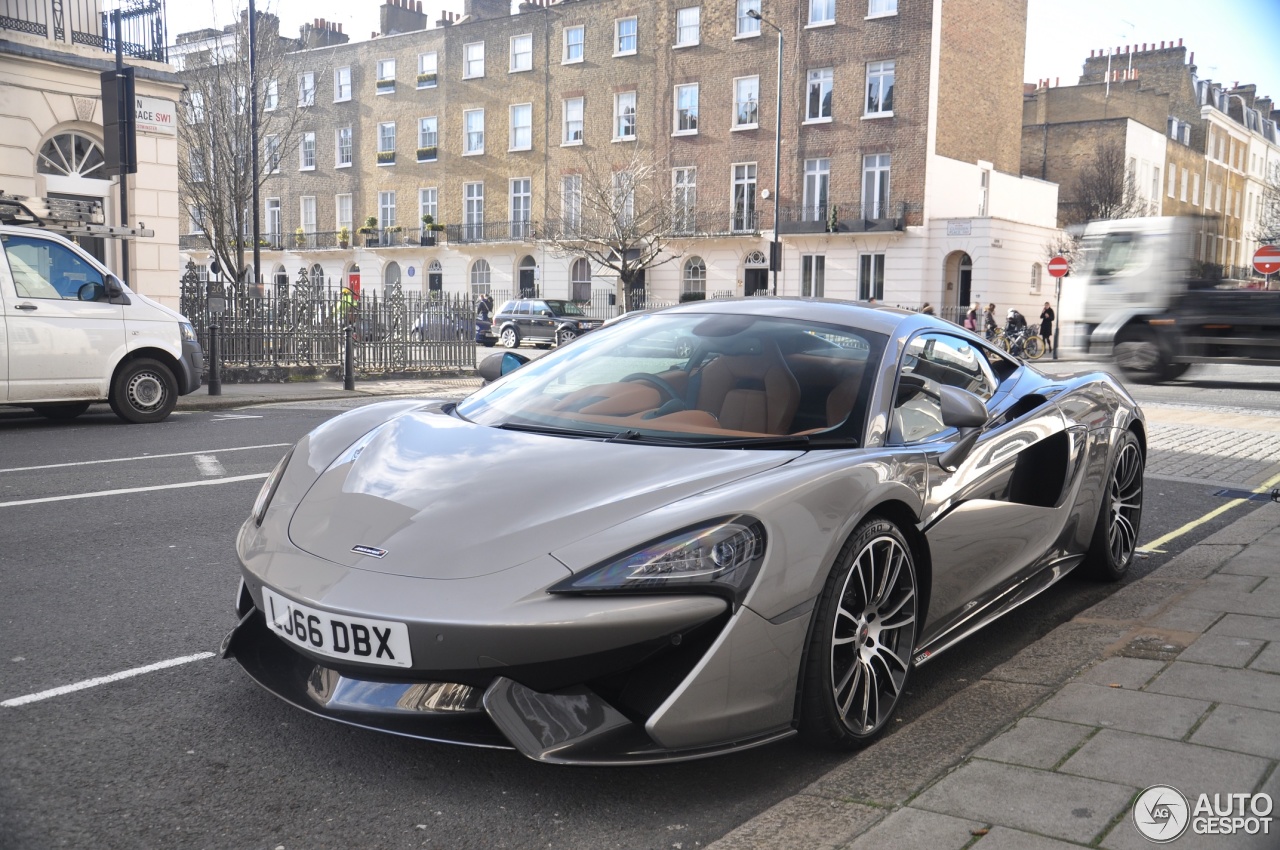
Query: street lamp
[[775, 250]]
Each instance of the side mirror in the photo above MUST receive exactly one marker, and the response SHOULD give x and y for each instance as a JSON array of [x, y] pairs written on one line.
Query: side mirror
[[92, 292], [114, 288], [495, 366], [964, 410]]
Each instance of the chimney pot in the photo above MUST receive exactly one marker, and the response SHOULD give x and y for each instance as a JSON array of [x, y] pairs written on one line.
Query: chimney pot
[[1055, 81], [1179, 42]]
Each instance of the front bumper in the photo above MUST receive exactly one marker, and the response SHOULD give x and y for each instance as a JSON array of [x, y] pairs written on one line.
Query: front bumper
[[192, 367]]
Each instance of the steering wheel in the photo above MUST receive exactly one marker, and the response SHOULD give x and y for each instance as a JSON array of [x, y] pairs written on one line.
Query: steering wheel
[[667, 392]]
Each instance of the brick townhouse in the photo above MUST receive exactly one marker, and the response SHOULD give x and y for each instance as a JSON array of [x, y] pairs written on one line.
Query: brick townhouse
[[899, 159]]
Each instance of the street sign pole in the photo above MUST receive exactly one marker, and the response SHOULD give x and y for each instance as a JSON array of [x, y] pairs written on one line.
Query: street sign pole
[[1058, 267]]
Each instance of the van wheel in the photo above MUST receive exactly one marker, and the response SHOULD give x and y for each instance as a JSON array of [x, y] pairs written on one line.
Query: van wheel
[[1139, 356], [143, 391], [62, 412]]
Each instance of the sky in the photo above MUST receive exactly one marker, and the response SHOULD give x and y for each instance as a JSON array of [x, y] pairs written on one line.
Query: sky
[[1234, 40]]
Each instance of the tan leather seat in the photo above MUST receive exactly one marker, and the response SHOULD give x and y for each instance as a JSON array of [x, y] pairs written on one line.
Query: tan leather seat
[[750, 392], [842, 396]]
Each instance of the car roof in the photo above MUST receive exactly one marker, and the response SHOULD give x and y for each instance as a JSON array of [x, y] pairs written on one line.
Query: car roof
[[854, 314]]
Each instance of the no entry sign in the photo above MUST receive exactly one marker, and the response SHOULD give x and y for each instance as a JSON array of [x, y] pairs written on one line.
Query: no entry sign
[[1266, 260], [1059, 266]]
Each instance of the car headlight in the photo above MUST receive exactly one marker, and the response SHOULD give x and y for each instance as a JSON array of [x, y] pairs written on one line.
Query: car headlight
[[188, 332], [268, 490], [721, 557]]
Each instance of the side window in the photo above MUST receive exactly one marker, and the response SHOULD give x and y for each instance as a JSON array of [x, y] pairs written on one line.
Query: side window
[[522, 308], [931, 361], [45, 269]]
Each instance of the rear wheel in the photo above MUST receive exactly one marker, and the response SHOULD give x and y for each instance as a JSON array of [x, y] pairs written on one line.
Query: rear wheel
[[62, 412], [1139, 356], [1034, 347], [860, 649], [510, 338], [1115, 536], [143, 391]]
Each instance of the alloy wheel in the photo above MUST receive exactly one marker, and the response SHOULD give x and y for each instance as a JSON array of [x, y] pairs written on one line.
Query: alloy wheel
[[1124, 495], [873, 635]]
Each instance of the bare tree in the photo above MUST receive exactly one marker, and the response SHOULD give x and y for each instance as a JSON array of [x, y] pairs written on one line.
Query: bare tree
[[1106, 188], [215, 175], [619, 215], [1267, 231]]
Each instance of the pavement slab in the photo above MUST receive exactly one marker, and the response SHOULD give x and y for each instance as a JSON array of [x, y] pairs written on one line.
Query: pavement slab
[[1141, 761], [1268, 660], [1057, 656], [1003, 838], [1222, 650], [1177, 618], [1135, 602], [1244, 730], [1240, 625], [1251, 688], [1068, 807], [1170, 716], [1213, 599], [1199, 561], [1129, 673], [911, 829], [1035, 742], [802, 823]]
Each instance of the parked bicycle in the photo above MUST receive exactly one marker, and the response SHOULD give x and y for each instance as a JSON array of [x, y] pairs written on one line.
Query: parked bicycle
[[1024, 343]]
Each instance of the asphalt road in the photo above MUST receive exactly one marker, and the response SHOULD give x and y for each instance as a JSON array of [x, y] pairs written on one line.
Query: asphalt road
[[196, 756]]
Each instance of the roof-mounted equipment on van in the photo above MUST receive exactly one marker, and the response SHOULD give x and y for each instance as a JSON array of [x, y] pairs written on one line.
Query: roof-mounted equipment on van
[[65, 216]]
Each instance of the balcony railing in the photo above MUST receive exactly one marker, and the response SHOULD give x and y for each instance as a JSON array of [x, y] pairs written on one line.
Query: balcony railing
[[853, 217], [493, 231], [696, 222], [84, 22]]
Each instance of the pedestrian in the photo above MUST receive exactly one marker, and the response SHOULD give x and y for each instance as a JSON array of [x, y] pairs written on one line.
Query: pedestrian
[[989, 326], [484, 308], [971, 318], [927, 309], [1047, 317]]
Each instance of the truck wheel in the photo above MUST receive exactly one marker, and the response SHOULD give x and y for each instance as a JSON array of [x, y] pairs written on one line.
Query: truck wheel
[[1140, 357], [62, 412], [143, 391]]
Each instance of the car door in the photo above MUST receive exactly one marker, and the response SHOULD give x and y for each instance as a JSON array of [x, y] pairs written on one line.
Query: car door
[[523, 320], [543, 321], [990, 521], [62, 331]]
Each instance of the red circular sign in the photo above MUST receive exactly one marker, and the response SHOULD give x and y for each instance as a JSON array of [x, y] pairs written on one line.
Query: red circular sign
[[1059, 266], [1266, 260]]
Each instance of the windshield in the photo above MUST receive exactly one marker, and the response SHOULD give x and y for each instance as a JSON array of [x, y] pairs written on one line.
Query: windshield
[[694, 378], [565, 308]]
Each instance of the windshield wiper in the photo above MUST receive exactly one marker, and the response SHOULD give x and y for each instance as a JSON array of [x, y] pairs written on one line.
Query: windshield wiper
[[551, 430]]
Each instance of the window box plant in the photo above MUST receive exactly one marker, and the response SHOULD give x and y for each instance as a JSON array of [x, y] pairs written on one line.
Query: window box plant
[[386, 157], [370, 231], [426, 154], [300, 237], [426, 81], [344, 237], [385, 86], [428, 236]]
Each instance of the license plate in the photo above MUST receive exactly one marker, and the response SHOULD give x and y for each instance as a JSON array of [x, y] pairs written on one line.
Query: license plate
[[338, 636]]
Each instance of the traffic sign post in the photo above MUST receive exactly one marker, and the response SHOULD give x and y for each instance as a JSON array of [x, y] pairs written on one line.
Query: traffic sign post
[[1058, 267], [1266, 261]]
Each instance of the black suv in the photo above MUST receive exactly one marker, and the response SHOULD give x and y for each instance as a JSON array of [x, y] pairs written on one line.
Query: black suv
[[541, 321]]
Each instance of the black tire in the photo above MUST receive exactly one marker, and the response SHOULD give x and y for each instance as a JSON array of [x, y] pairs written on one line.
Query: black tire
[[1139, 356], [62, 412], [509, 337], [1176, 370], [566, 335], [143, 391], [854, 675], [1115, 535]]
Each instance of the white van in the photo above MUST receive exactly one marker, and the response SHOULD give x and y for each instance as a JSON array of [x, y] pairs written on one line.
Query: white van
[[71, 333]]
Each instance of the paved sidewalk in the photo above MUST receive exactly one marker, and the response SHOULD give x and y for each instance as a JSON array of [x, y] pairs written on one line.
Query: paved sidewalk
[[1173, 680], [243, 395]]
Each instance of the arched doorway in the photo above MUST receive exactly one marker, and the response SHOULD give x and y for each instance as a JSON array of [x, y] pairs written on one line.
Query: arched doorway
[[959, 277], [755, 274], [435, 277], [528, 277], [72, 165], [390, 276]]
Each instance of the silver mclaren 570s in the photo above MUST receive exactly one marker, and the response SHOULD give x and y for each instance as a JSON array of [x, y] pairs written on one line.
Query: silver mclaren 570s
[[693, 531]]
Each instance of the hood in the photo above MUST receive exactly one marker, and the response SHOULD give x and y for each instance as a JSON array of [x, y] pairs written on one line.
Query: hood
[[167, 312], [448, 499]]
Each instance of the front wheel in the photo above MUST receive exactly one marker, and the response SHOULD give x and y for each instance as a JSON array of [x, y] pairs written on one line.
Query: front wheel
[[143, 391], [566, 335], [510, 338], [1140, 357], [1033, 347], [1115, 537], [860, 648]]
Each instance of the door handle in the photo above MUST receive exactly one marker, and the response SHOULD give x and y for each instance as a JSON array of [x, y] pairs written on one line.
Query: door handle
[[25, 306]]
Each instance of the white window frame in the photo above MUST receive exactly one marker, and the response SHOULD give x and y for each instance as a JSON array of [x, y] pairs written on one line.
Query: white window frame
[[339, 86], [274, 227], [880, 77], [469, 146], [338, 146], [817, 77], [1183, 195], [568, 124], [387, 209], [813, 275], [382, 140], [817, 189], [750, 176], [519, 188], [429, 203], [571, 202], [567, 57], [338, 220], [876, 171], [302, 151], [514, 142], [676, 129], [429, 135], [684, 198], [747, 26], [307, 88], [618, 49], [688, 34], [270, 152], [472, 65], [693, 275], [738, 101], [515, 67], [869, 284], [271, 96], [624, 197], [386, 73], [1173, 180], [473, 209], [620, 101], [881, 8], [431, 66], [307, 218], [819, 7]]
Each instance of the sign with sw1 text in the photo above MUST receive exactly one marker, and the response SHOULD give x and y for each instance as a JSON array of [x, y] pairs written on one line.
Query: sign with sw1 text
[[1266, 260], [156, 115], [1058, 266]]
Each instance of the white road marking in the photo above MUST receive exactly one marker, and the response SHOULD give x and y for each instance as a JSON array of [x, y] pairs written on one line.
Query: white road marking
[[209, 466], [256, 476], [103, 680], [143, 457], [227, 417]]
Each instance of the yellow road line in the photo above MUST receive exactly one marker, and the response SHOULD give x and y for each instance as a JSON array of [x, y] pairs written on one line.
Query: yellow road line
[[1195, 523]]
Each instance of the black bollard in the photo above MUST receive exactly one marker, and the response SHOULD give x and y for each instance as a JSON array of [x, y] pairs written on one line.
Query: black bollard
[[215, 361], [348, 367]]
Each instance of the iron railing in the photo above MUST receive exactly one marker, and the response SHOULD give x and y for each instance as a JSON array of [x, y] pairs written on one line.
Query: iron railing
[[492, 231], [305, 323], [853, 217]]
